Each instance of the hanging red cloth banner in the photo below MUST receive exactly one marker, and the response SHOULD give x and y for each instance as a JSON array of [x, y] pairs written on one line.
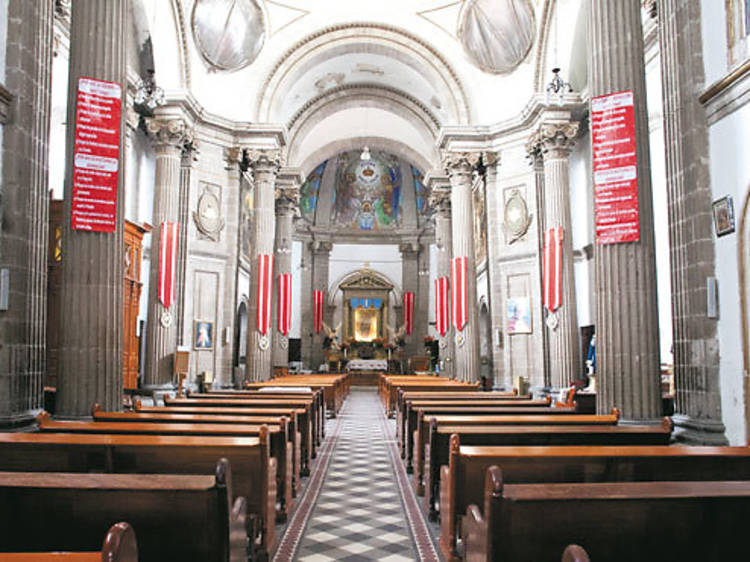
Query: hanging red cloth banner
[[317, 311], [553, 268], [96, 153], [442, 320], [264, 294], [168, 234], [409, 312], [615, 165], [459, 293], [285, 303]]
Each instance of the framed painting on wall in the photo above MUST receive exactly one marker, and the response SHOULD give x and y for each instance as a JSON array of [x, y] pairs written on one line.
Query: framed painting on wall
[[518, 315], [723, 211], [204, 335]]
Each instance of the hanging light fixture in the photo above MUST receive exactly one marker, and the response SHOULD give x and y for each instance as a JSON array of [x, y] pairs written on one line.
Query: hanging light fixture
[[558, 87], [148, 96]]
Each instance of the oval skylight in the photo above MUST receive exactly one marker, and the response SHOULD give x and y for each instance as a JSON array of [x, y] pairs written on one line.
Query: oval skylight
[[497, 34], [229, 33]]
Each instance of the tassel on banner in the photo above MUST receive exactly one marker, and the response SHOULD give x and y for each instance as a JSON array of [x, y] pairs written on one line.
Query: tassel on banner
[[265, 292]]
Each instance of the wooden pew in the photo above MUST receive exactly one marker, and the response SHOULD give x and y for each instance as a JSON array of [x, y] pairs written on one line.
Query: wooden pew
[[391, 388], [292, 424], [278, 437], [462, 479], [623, 521], [316, 416], [484, 408], [306, 425], [316, 395], [437, 449], [178, 517], [535, 418], [253, 469], [119, 545], [334, 387]]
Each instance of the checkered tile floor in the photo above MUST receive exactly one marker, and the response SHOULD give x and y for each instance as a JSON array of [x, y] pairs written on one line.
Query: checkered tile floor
[[359, 514]]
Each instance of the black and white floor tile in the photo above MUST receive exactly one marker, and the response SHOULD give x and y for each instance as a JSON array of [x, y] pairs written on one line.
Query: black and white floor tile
[[359, 514]]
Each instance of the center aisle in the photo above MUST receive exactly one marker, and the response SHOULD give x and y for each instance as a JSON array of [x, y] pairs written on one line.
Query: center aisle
[[355, 511]]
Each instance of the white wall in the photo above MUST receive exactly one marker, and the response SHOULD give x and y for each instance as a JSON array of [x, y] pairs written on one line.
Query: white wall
[[348, 258], [730, 175]]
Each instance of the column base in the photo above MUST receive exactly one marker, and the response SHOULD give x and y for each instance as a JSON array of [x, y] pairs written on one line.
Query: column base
[[156, 391], [695, 431]]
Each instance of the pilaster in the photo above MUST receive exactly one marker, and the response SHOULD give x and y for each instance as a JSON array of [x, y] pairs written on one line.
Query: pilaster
[[627, 322], [460, 168], [321, 254], [692, 256], [410, 284]]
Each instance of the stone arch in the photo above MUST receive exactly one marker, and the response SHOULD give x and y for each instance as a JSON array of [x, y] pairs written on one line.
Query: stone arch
[[368, 37], [354, 275]]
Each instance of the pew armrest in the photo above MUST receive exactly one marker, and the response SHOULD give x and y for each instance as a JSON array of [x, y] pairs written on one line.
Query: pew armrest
[[447, 514], [120, 544], [475, 536], [575, 553], [238, 534]]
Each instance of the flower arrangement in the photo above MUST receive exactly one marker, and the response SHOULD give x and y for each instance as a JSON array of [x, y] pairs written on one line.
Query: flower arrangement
[[428, 339]]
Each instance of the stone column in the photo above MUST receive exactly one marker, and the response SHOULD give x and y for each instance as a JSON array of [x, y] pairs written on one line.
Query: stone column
[[306, 305], [441, 201], [287, 202], [555, 143], [460, 168], [90, 356], [23, 236], [264, 165], [495, 207], [321, 252], [627, 322], [696, 347], [410, 284], [422, 300], [169, 137], [534, 153]]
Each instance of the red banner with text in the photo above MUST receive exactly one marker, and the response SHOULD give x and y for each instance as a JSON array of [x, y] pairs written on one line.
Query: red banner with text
[[615, 168], [96, 155]]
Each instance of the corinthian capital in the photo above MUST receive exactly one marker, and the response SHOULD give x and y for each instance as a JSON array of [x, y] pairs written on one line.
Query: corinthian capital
[[556, 140], [173, 133], [460, 162], [440, 200], [264, 160], [287, 199]]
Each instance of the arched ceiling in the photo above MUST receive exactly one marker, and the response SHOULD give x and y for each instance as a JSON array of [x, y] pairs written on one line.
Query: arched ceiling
[[331, 70]]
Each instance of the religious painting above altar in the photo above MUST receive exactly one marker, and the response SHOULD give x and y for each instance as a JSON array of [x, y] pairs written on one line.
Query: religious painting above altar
[[366, 324]]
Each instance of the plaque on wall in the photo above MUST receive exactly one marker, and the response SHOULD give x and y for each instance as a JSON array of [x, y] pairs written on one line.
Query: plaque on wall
[[208, 217], [516, 217]]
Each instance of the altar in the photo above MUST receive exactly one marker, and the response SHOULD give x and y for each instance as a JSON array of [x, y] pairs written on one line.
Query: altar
[[367, 365]]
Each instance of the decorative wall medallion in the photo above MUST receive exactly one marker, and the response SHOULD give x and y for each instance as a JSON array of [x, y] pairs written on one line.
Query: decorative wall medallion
[[263, 343], [516, 217], [460, 339], [443, 344], [208, 215], [553, 321], [229, 34], [166, 319], [283, 342]]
